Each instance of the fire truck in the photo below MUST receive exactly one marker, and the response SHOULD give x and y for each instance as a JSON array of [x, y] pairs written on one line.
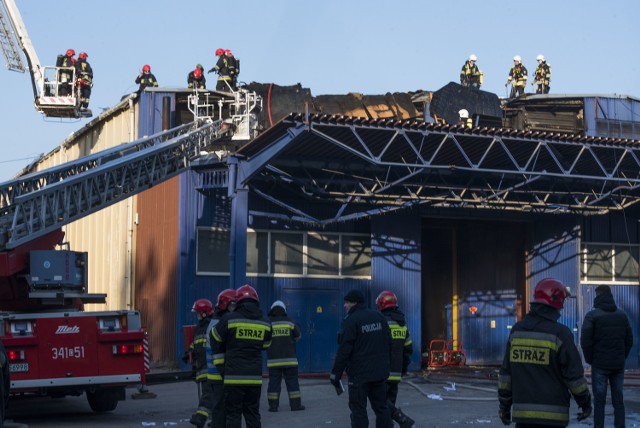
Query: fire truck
[[53, 346]]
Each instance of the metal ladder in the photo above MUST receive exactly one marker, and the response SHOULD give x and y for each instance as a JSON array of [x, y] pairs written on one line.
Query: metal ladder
[[42, 202], [8, 44]]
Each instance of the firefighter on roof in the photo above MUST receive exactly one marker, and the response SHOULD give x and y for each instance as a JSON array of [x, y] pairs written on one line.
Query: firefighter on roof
[[282, 360], [465, 120], [542, 368], [146, 78], [84, 79], [401, 350], [517, 77], [470, 75], [234, 68], [224, 68], [543, 76], [196, 78], [242, 335]]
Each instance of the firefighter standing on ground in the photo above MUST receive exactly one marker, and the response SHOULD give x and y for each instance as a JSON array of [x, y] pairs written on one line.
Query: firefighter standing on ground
[[84, 79], [242, 335], [146, 78], [203, 309], [517, 77], [606, 340], [401, 350], [543, 76], [542, 367], [196, 79], [224, 68], [470, 75], [364, 351], [282, 359]]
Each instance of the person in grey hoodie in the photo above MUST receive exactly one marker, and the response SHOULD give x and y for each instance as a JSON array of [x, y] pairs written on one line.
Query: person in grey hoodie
[[606, 341]]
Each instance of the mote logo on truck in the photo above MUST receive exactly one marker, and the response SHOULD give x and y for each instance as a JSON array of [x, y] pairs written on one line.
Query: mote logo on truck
[[67, 329]]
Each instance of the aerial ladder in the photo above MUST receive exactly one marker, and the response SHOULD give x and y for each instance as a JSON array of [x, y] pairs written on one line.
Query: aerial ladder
[[54, 347], [50, 84]]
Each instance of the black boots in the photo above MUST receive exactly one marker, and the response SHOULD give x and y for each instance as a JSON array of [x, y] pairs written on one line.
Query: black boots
[[297, 408], [403, 420], [198, 420]]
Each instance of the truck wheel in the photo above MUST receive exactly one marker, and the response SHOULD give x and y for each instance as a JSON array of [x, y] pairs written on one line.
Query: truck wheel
[[102, 400]]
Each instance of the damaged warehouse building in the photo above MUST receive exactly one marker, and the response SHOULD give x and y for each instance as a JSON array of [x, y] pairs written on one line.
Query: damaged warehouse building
[[376, 192]]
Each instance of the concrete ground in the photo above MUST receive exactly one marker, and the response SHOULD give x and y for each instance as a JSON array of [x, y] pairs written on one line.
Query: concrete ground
[[431, 402]]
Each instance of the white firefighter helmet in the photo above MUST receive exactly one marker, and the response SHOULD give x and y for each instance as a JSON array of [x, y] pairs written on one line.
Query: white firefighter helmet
[[540, 57], [472, 57], [517, 58], [279, 303], [464, 114]]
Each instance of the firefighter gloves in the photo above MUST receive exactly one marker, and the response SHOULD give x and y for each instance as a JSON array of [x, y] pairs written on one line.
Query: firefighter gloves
[[585, 413], [505, 416]]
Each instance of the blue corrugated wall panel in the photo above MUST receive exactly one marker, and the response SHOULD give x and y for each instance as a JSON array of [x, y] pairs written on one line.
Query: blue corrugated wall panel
[[150, 112], [615, 109], [627, 298], [396, 266], [554, 253]]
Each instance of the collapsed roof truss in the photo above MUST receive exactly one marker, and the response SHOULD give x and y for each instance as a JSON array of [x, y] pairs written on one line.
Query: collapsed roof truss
[[324, 169]]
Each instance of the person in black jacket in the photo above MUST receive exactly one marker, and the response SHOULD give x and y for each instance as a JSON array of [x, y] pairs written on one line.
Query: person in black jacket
[[401, 350], [606, 341], [282, 360], [364, 351], [542, 367], [242, 335], [146, 78], [65, 75], [5, 383], [224, 67], [84, 79], [203, 309], [196, 79]]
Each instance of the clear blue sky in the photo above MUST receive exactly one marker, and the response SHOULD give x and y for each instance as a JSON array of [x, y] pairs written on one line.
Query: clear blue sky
[[330, 46]]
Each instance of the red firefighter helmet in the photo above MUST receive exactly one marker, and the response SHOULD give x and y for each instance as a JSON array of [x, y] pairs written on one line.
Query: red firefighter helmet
[[82, 55], [228, 52], [197, 73], [225, 298], [386, 299], [219, 51], [551, 292], [146, 67], [71, 52], [246, 292], [203, 307]]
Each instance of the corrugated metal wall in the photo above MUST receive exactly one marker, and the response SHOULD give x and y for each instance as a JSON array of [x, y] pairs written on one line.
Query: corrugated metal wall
[[612, 117], [555, 253], [104, 235], [396, 265]]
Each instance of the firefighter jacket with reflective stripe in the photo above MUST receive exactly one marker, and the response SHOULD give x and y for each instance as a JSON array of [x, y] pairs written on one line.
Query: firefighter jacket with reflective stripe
[[470, 74], [194, 82], [364, 346], [84, 71], [541, 370], [145, 80], [199, 347], [543, 73], [401, 343], [224, 67], [241, 336], [284, 334], [213, 374], [606, 338], [65, 61], [518, 74]]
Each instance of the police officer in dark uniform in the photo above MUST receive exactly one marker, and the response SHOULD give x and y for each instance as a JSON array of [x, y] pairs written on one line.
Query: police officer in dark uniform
[[5, 383], [401, 350], [282, 359], [364, 351], [242, 335], [203, 309], [542, 368]]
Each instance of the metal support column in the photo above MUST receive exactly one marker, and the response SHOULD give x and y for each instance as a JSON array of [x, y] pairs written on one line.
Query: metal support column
[[238, 232]]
